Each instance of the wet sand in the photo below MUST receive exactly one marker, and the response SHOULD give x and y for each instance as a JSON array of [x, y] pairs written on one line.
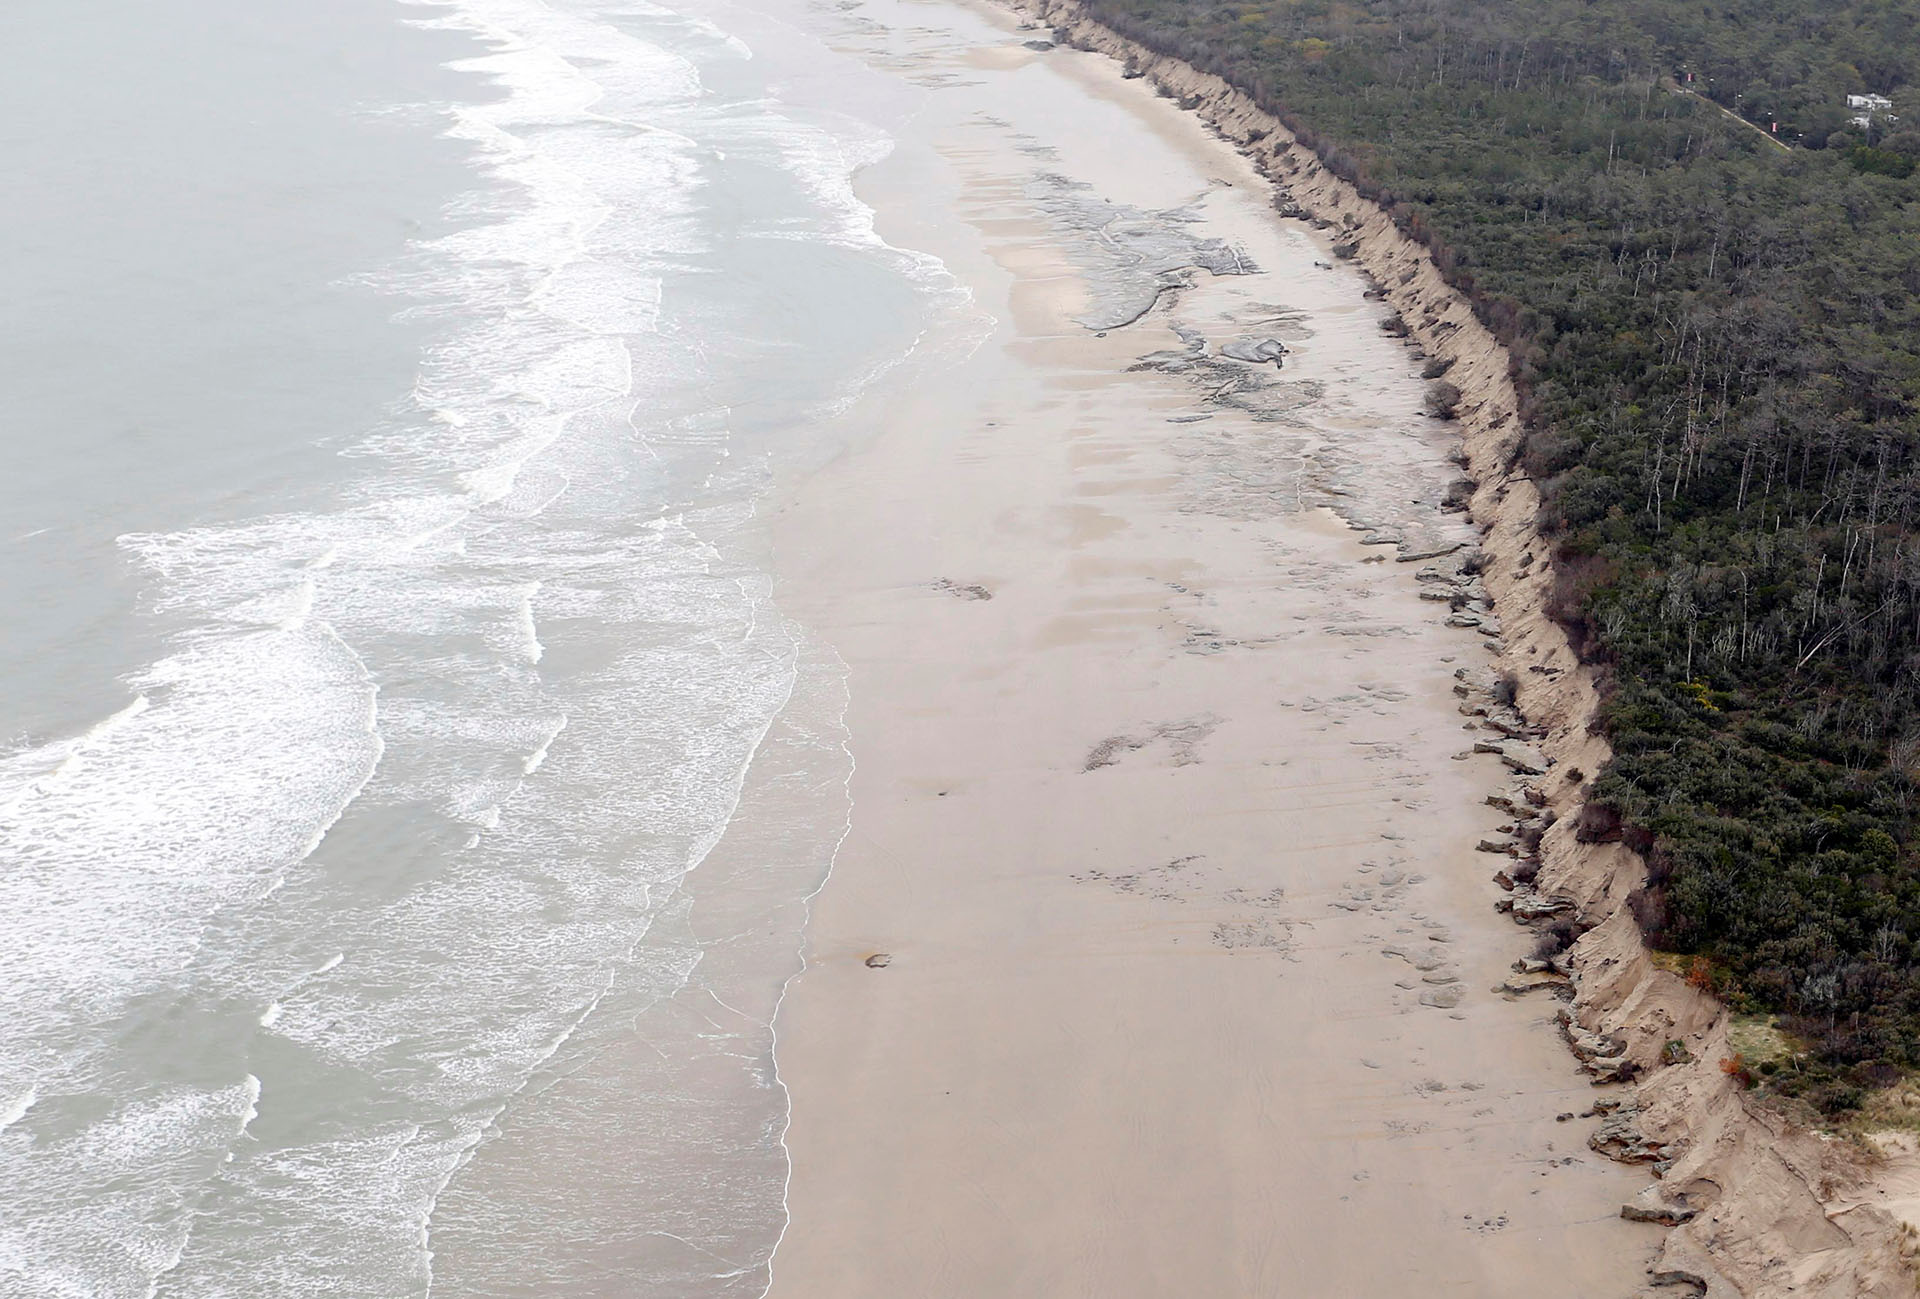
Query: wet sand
[[1158, 956]]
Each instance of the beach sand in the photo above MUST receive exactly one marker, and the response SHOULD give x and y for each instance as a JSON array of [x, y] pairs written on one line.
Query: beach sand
[[1158, 957]]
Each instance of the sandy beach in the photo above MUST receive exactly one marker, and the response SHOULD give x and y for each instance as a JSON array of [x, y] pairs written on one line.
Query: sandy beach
[[1159, 956]]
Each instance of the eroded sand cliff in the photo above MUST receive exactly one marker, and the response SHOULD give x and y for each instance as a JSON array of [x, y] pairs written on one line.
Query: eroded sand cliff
[[1758, 1205]]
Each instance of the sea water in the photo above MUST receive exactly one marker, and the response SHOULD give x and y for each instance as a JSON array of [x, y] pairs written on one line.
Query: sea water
[[393, 392]]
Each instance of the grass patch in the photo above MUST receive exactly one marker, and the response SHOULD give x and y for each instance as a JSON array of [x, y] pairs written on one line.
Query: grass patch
[[1760, 1042]]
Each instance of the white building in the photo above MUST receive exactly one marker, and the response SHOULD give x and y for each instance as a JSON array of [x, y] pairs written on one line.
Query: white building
[[1868, 107]]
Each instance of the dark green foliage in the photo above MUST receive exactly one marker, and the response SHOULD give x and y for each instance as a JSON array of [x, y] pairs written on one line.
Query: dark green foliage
[[1717, 342], [1881, 162]]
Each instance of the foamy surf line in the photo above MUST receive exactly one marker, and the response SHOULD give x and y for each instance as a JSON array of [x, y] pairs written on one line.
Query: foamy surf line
[[399, 806]]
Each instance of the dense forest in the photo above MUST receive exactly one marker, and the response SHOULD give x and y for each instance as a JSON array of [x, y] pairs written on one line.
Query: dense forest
[[1715, 325]]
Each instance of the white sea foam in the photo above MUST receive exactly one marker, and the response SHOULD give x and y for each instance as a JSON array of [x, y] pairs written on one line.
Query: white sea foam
[[110, 1205], [539, 755], [191, 804], [31, 772], [530, 645], [17, 1108]]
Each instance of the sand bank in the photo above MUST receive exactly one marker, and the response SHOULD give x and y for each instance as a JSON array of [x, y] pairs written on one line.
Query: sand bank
[[1159, 957], [1760, 1206]]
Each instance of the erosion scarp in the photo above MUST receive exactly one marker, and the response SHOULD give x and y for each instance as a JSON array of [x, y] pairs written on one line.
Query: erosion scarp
[[1753, 1203]]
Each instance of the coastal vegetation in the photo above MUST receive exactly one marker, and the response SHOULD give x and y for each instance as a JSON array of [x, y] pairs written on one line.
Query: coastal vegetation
[[1704, 259]]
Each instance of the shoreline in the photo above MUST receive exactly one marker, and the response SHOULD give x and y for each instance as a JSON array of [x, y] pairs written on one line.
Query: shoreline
[[1757, 1205], [1158, 954]]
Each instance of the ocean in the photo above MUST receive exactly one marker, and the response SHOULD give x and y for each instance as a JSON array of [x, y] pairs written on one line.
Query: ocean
[[410, 789]]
